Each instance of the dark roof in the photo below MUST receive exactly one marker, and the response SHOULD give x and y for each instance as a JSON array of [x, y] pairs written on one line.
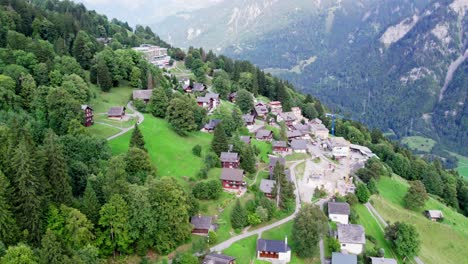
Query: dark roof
[[272, 245], [266, 186], [293, 134], [232, 174], [245, 139], [301, 127], [213, 96], [142, 94], [338, 208], [298, 144], [233, 95], [318, 127], [203, 99], [200, 87], [288, 116], [340, 258], [116, 111], [248, 118], [262, 133], [279, 144], [350, 233], [201, 222], [229, 157], [273, 161], [214, 258], [212, 124]]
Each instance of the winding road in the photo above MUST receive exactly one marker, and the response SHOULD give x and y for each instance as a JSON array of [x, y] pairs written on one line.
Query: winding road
[[224, 245], [140, 120]]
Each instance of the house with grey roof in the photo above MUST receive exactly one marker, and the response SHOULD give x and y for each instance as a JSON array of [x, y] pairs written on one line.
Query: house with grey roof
[[352, 238], [232, 178], [319, 130], [198, 87], [202, 224], [383, 261], [280, 146], [273, 250], [287, 117], [246, 139], [434, 215], [294, 134], [267, 187], [260, 109], [211, 125], [248, 119], [274, 161], [143, 95], [264, 135], [214, 258], [339, 212], [340, 258], [299, 145], [230, 160], [116, 112]]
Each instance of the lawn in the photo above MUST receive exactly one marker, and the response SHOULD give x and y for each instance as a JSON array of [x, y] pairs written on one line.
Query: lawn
[[117, 96], [297, 156], [265, 149], [300, 168], [171, 153], [373, 228], [243, 250], [224, 219], [103, 131], [419, 143], [102, 118], [462, 165], [441, 242]]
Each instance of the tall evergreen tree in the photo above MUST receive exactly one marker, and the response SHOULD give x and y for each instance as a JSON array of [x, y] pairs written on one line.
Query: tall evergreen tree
[[137, 140], [115, 226], [158, 103], [27, 192], [52, 250], [90, 204], [238, 216], [220, 141], [103, 76], [83, 49], [248, 159], [56, 169], [8, 226]]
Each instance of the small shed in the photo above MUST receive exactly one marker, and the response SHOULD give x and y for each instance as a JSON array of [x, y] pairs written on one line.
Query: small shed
[[116, 112], [434, 215]]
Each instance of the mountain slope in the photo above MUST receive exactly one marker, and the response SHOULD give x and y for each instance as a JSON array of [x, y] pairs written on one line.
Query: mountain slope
[[387, 63]]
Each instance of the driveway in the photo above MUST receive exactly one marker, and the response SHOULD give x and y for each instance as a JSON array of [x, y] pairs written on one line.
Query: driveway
[[140, 119]]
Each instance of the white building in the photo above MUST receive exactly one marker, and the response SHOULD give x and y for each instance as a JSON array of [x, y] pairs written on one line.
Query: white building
[[319, 130], [154, 54], [352, 238], [338, 212], [276, 251], [340, 147]]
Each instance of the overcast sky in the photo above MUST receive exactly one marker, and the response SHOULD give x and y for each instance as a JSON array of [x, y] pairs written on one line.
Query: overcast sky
[[144, 12]]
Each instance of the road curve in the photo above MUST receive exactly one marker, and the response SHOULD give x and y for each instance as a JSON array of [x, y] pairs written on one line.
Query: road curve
[[140, 120]]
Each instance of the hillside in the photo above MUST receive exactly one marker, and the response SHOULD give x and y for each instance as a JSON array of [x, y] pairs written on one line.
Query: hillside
[[362, 58]]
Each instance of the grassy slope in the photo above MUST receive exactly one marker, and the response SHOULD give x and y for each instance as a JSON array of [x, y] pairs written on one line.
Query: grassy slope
[[103, 131], [419, 143], [243, 250], [462, 164], [441, 242], [265, 149], [171, 153], [117, 96], [372, 228]]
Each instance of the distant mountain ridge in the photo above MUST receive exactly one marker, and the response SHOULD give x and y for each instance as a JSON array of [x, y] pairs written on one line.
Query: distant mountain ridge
[[383, 62]]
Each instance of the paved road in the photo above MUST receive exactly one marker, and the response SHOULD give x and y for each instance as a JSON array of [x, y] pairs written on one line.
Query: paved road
[[140, 119], [220, 247]]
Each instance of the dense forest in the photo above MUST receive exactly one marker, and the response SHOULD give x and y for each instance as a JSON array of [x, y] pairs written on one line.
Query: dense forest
[[64, 198]]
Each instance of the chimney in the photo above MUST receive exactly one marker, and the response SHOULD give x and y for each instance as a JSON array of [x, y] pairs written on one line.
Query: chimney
[[230, 148], [285, 243]]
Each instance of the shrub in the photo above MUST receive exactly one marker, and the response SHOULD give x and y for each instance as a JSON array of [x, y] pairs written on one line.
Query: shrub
[[196, 150]]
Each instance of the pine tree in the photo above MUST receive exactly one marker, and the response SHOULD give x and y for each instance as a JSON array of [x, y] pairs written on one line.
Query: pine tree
[[103, 76], [56, 169], [220, 141], [90, 204], [248, 159], [8, 226], [158, 103], [83, 49], [27, 189], [52, 249], [137, 140], [238, 216]]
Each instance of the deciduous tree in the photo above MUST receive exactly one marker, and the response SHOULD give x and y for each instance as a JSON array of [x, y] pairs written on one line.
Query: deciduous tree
[[244, 100], [405, 239], [309, 225], [416, 196]]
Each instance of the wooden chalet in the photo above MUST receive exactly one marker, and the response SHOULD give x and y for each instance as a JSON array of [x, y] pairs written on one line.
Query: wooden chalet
[[274, 161], [232, 178], [246, 139], [275, 251], [276, 107], [267, 187], [211, 125], [230, 160], [87, 115], [202, 224], [287, 117], [294, 134], [116, 112], [248, 119], [260, 110], [143, 95], [264, 135], [232, 97], [280, 147], [434, 215]]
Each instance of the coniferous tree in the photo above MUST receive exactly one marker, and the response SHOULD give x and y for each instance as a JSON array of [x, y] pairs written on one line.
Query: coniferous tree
[[248, 159], [103, 76], [27, 192], [238, 216], [137, 140], [220, 141], [56, 169], [52, 249], [158, 103], [83, 49], [90, 205], [8, 226]]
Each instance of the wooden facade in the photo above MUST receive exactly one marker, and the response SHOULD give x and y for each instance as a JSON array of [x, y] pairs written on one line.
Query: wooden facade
[[87, 116]]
